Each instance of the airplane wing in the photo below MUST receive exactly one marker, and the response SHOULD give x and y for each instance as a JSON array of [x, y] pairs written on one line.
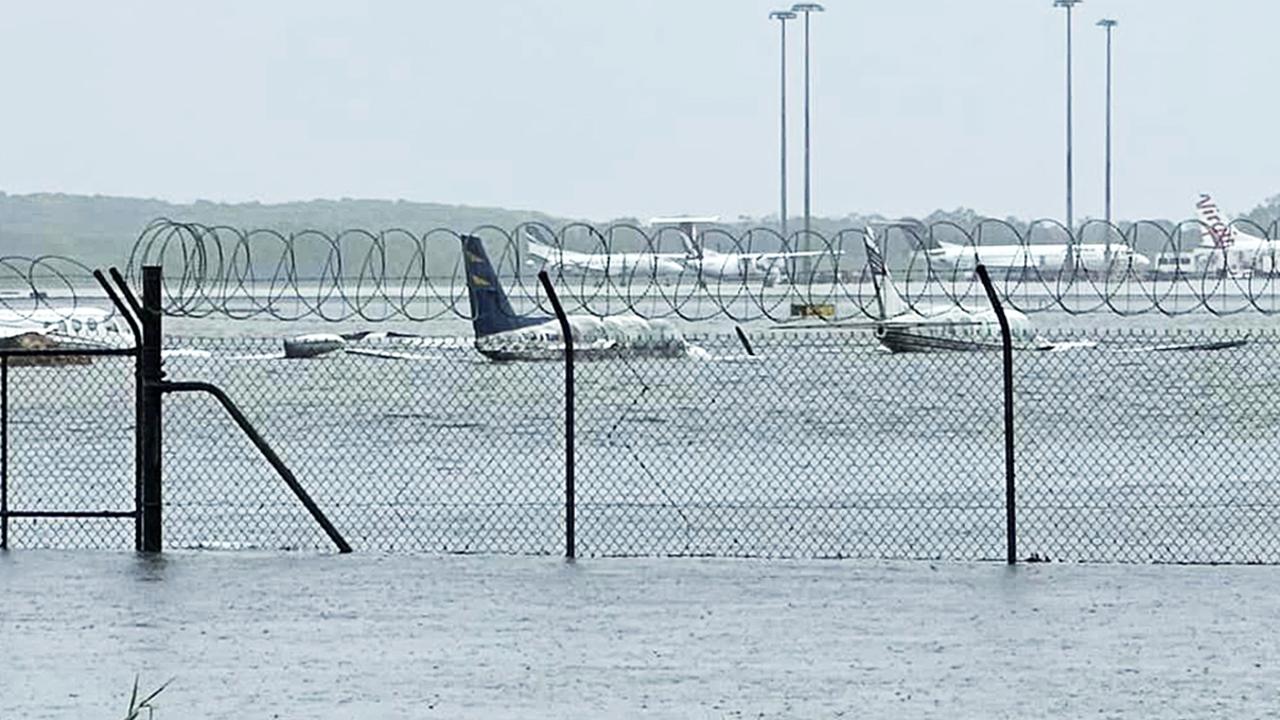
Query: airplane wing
[[389, 354], [874, 324], [1190, 347], [795, 254]]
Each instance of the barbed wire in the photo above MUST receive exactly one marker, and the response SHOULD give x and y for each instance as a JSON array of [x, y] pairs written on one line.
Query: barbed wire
[[662, 272], [28, 284]]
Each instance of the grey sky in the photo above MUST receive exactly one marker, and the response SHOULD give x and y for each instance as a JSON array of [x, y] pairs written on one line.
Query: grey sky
[[603, 109]]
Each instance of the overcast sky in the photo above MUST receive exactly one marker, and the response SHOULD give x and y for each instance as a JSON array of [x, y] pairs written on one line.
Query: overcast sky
[[605, 109]]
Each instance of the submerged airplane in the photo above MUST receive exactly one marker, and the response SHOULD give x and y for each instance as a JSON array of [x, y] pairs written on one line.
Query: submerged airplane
[[501, 334], [900, 328], [1047, 258], [72, 325], [618, 265]]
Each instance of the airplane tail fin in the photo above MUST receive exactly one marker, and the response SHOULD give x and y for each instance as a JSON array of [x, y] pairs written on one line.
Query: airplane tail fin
[[491, 311], [1215, 231], [887, 296], [921, 237], [690, 248], [540, 244], [538, 234]]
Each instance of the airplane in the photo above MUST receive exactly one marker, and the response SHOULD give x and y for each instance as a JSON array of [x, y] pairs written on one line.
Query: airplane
[[940, 256], [617, 265], [900, 328], [71, 325], [502, 335], [735, 266], [1225, 247]]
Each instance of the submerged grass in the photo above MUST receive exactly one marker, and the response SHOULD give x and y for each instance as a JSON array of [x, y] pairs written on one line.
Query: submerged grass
[[136, 706]]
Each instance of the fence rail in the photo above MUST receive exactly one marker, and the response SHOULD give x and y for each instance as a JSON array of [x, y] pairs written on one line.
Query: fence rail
[[816, 445]]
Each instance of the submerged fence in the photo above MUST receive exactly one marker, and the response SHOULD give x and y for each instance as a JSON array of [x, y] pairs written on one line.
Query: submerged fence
[[818, 445]]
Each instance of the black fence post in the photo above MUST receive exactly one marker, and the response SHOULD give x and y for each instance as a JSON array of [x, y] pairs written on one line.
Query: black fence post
[[1006, 347], [152, 416], [129, 308], [4, 452], [570, 496]]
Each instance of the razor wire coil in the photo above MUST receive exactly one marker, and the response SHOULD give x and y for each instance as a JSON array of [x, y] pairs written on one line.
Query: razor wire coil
[[399, 274]]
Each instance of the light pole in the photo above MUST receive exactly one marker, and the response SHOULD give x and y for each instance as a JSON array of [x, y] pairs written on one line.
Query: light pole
[[782, 16], [1068, 4], [806, 9], [1108, 24]]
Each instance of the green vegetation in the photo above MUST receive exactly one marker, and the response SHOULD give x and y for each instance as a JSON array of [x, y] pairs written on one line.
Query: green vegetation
[[99, 230]]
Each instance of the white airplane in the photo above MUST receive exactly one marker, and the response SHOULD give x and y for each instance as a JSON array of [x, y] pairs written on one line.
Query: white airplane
[[501, 334], [616, 265], [73, 325], [1048, 259], [900, 328], [1224, 246], [735, 266]]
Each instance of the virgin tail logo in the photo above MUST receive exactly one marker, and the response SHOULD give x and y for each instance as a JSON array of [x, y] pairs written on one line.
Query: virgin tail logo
[[1215, 231]]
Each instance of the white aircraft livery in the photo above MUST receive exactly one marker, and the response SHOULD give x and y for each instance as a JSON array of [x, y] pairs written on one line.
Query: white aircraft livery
[[1223, 243], [616, 265], [75, 325], [705, 263], [501, 334], [1043, 258], [901, 329]]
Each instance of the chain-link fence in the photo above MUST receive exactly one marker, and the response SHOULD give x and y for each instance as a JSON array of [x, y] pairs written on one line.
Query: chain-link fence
[[1129, 447], [67, 459]]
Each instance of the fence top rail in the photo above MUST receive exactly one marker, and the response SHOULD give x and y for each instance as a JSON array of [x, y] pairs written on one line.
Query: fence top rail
[[68, 352]]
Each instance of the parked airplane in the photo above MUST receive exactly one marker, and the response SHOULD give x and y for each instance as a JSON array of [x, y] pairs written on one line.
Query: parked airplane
[[615, 265], [1226, 247], [501, 334], [1048, 259], [733, 266]]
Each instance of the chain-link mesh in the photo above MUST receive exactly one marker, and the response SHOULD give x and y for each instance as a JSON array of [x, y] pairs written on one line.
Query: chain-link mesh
[[1145, 450], [817, 446], [442, 453], [70, 423], [1140, 448]]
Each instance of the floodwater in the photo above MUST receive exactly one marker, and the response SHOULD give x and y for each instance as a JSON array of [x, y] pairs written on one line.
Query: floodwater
[[375, 636], [819, 446]]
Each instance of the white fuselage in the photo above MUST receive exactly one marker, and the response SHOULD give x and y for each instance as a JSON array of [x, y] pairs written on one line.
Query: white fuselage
[[1049, 259], [78, 325], [593, 337], [613, 265], [1245, 253], [735, 266], [955, 329]]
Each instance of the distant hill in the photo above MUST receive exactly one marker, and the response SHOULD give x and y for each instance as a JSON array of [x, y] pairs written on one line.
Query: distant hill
[[100, 230]]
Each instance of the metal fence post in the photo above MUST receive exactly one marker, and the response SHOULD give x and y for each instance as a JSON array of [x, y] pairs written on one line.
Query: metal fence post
[[4, 452], [152, 415], [570, 496], [1006, 347]]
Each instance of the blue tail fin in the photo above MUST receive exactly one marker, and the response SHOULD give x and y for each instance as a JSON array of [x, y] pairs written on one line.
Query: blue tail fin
[[491, 312]]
